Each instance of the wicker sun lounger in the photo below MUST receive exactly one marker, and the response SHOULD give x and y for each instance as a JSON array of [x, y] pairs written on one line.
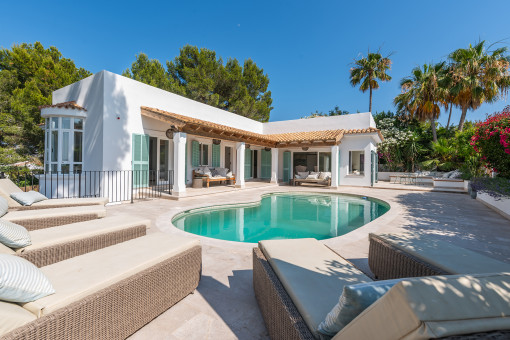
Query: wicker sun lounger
[[7, 187], [156, 272], [56, 244], [394, 256], [284, 321], [46, 218]]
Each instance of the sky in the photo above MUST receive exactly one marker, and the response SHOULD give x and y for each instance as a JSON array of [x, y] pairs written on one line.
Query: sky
[[305, 47]]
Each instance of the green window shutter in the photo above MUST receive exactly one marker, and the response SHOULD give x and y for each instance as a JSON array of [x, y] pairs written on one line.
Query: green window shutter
[[247, 163], [195, 153], [286, 166], [216, 155], [185, 162], [265, 166], [140, 160]]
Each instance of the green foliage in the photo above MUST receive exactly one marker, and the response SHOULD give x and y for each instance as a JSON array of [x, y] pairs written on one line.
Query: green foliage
[[29, 74], [497, 187], [200, 75]]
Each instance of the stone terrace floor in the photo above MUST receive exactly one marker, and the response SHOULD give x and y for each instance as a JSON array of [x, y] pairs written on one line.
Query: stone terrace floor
[[224, 306]]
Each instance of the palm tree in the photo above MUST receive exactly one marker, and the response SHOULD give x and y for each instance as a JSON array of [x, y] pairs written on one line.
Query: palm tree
[[368, 71], [423, 93], [479, 76]]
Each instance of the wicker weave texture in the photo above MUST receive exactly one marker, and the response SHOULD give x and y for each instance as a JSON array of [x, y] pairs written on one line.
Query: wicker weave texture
[[48, 222], [59, 252], [388, 262], [121, 309], [496, 335], [38, 207], [281, 316]]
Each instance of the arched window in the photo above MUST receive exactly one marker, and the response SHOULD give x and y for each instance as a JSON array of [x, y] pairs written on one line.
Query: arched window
[[63, 144]]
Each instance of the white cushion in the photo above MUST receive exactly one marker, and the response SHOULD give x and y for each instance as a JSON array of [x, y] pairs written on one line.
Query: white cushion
[[13, 316], [21, 215], [87, 274], [4, 207], [7, 187], [13, 235], [303, 174], [6, 250], [325, 175], [21, 281], [50, 203], [436, 307], [229, 174], [313, 176], [28, 198]]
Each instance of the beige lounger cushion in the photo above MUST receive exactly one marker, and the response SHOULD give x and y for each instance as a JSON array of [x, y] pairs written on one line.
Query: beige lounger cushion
[[436, 306], [450, 258], [6, 250], [312, 274], [72, 201], [13, 316], [14, 216], [78, 277], [75, 231], [7, 187]]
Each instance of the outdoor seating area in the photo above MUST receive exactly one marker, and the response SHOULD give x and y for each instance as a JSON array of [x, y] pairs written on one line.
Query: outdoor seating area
[[302, 175], [209, 175], [101, 276], [298, 282]]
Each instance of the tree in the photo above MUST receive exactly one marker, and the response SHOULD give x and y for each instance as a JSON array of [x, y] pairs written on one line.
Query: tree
[[29, 73], [423, 93], [367, 71], [479, 75]]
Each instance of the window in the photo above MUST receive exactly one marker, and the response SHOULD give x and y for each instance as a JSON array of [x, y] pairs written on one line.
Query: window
[[356, 162], [204, 154], [63, 144]]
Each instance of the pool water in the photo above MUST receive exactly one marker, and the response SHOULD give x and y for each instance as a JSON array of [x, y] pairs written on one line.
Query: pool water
[[283, 216]]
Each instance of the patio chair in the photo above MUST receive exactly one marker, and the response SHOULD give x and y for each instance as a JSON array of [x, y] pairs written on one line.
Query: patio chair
[[109, 293], [46, 218], [56, 244], [7, 187], [298, 282]]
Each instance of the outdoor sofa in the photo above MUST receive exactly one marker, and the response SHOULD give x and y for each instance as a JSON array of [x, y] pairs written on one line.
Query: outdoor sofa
[[51, 245], [109, 293], [209, 175], [298, 282], [321, 178], [46, 218], [7, 187]]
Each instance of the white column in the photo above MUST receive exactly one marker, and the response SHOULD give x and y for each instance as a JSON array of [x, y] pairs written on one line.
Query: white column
[[240, 149], [179, 187], [274, 165], [335, 175]]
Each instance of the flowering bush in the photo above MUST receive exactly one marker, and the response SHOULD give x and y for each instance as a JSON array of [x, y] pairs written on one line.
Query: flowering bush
[[391, 149], [492, 141], [496, 187]]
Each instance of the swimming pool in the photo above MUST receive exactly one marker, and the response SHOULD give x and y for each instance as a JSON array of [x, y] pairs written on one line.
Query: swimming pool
[[283, 216]]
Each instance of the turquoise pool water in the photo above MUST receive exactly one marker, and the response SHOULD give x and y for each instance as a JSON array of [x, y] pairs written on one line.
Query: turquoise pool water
[[283, 216]]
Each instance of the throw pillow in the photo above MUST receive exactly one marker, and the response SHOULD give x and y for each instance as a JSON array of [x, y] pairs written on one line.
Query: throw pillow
[[296, 176], [3, 206], [222, 172], [27, 198], [353, 301], [312, 176], [13, 235], [21, 281], [303, 174], [229, 174], [214, 172], [324, 175], [207, 172]]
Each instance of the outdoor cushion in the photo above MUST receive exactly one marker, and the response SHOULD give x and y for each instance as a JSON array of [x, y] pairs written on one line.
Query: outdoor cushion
[[14, 216], [13, 316], [354, 300], [6, 250], [13, 235], [87, 274], [71, 232], [229, 174], [303, 174], [4, 207], [325, 175], [7, 187], [446, 256], [71, 202], [21, 281], [28, 198], [434, 307], [301, 168], [207, 172], [222, 172], [312, 275], [312, 176]]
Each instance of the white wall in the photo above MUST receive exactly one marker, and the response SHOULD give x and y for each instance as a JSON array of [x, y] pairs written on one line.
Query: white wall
[[351, 121], [355, 143]]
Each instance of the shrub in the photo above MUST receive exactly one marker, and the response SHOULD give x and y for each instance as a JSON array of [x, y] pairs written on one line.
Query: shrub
[[496, 187], [492, 141]]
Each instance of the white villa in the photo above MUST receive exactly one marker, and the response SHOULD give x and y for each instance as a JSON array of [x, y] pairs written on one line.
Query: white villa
[[107, 122]]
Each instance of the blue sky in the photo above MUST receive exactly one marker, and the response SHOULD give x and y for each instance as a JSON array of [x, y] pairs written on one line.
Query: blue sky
[[306, 47]]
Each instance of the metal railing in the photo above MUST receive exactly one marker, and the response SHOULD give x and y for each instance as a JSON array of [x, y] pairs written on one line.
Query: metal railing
[[116, 185]]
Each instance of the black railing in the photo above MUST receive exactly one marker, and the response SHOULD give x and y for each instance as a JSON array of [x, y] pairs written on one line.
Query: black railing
[[116, 185]]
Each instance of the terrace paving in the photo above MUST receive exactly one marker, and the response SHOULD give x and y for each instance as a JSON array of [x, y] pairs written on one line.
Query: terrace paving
[[224, 306]]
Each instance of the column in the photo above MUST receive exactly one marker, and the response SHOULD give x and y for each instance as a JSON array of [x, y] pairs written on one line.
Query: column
[[240, 150], [274, 165], [335, 166], [179, 186]]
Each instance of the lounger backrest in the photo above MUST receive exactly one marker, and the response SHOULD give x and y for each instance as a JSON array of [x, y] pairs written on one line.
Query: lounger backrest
[[7, 187], [435, 307]]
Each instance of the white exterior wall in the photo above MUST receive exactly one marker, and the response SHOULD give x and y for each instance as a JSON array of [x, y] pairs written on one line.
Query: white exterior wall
[[355, 143]]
